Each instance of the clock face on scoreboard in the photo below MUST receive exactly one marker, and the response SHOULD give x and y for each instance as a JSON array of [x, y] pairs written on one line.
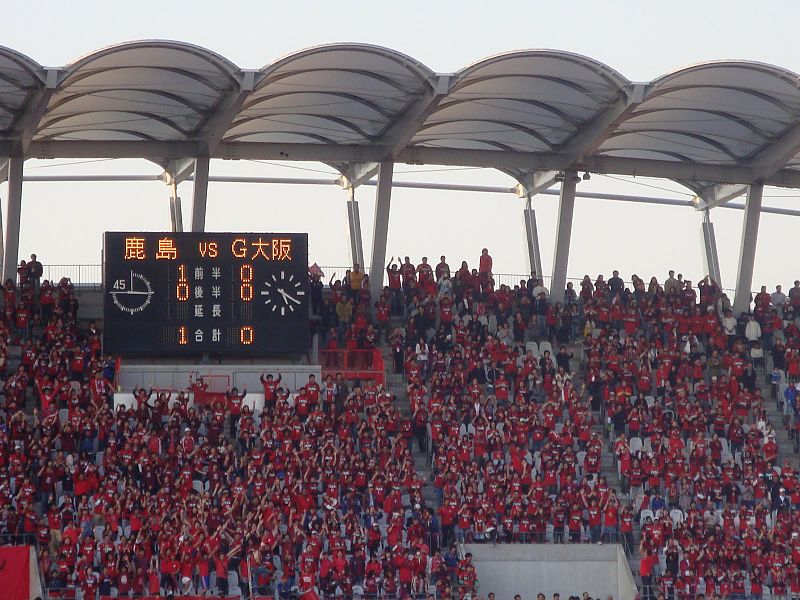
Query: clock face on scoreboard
[[194, 293]]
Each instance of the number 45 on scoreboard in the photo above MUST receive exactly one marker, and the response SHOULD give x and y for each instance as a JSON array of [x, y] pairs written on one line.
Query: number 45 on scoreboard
[[133, 294]]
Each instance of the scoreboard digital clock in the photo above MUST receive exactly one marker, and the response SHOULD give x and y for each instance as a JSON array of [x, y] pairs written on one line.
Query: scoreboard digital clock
[[216, 293]]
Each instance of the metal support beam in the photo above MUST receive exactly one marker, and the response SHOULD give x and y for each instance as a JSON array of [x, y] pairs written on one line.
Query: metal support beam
[[175, 215], [200, 193], [566, 208], [534, 258], [532, 182], [416, 155], [400, 133], [747, 251], [380, 229], [709, 249], [27, 123], [354, 230], [213, 129], [586, 140], [770, 159], [11, 250], [175, 212], [718, 194], [2, 240]]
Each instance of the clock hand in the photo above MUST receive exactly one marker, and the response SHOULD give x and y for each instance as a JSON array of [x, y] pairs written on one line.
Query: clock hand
[[287, 297]]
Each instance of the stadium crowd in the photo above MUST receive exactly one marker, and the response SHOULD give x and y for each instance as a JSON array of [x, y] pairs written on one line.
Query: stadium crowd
[[670, 375], [317, 493]]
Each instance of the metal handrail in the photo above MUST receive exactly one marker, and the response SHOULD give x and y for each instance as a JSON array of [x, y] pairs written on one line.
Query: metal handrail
[[86, 275], [91, 275]]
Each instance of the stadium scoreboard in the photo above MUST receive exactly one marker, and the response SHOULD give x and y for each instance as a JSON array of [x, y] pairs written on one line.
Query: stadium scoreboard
[[215, 293]]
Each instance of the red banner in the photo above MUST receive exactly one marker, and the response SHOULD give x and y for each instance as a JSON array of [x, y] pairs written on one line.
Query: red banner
[[15, 572]]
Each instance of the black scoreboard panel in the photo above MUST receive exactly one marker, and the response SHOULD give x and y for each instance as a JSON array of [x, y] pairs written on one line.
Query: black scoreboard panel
[[217, 293]]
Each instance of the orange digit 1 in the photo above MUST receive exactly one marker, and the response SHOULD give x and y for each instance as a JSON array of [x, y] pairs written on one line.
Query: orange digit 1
[[182, 290], [183, 339]]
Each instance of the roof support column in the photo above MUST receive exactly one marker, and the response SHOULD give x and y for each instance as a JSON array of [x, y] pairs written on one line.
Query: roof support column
[[380, 231], [354, 230], [175, 212], [2, 239], [709, 249], [200, 193], [566, 208], [747, 250], [11, 249], [534, 258]]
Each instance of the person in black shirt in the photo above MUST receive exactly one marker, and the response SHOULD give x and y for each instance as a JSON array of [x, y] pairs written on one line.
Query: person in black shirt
[[35, 272], [748, 379], [315, 293], [779, 355], [615, 284], [562, 359]]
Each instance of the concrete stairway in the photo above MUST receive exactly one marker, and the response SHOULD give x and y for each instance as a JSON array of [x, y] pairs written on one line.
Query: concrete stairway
[[396, 384]]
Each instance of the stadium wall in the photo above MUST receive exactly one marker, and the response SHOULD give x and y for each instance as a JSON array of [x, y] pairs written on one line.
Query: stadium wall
[[219, 377], [90, 303], [567, 569]]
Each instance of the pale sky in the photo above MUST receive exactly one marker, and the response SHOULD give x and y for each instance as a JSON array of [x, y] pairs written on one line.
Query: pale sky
[[63, 222]]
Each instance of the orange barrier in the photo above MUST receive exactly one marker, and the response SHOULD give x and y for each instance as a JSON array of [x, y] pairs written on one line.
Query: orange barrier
[[354, 364], [212, 388]]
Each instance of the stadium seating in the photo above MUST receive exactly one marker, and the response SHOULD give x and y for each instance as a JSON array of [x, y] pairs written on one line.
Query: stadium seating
[[617, 414], [702, 457]]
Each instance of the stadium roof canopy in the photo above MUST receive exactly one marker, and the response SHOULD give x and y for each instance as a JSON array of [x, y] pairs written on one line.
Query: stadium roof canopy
[[531, 113], [720, 128]]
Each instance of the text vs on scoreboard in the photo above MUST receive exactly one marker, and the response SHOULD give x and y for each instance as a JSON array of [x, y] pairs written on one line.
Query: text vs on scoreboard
[[221, 293]]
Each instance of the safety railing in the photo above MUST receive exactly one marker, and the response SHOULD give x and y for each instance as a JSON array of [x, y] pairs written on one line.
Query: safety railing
[[509, 279], [80, 275], [354, 364], [239, 588], [675, 590], [337, 273], [70, 593], [91, 276], [427, 592], [194, 591]]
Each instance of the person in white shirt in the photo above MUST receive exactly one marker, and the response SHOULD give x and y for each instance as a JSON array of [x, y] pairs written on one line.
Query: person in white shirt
[[729, 325], [778, 299], [752, 331], [445, 287], [540, 289]]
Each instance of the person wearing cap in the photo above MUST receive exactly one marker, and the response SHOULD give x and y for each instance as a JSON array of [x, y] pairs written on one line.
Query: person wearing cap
[[781, 503]]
